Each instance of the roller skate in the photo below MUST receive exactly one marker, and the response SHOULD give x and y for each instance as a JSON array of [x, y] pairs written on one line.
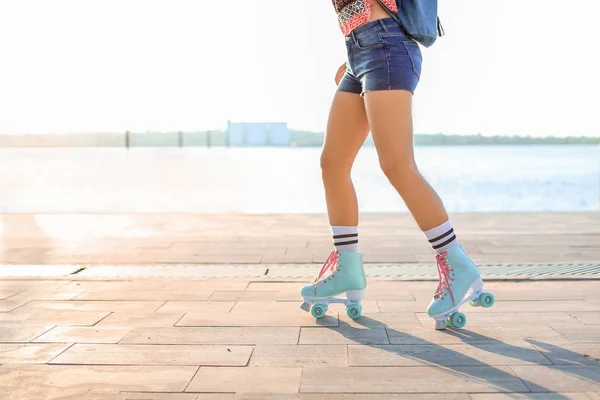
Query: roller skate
[[347, 275], [460, 281]]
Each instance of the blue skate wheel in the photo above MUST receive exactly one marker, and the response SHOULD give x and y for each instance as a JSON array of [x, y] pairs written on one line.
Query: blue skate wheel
[[354, 311], [318, 310], [486, 300], [458, 320]]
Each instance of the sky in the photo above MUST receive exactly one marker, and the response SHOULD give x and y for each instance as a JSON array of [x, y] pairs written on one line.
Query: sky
[[509, 67]]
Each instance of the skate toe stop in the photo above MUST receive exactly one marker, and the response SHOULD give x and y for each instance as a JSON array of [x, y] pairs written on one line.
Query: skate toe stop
[[440, 325], [305, 306]]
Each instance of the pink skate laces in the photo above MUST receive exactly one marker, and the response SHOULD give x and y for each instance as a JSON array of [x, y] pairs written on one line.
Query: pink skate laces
[[330, 264], [444, 274]]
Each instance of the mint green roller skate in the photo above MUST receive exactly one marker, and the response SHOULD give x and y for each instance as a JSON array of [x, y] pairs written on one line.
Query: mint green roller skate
[[348, 275], [460, 281]]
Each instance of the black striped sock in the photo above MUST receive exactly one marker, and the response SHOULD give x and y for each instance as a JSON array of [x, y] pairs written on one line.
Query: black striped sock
[[345, 237], [442, 237]]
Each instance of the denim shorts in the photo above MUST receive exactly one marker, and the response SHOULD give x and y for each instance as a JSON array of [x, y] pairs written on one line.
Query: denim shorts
[[381, 57]]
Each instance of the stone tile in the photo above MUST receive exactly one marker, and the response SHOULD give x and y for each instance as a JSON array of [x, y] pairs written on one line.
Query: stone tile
[[565, 353], [190, 269], [181, 295], [579, 334], [53, 318], [13, 353], [94, 306], [88, 395], [559, 378], [537, 306], [386, 306], [14, 332], [508, 294], [259, 314], [185, 284], [6, 293], [86, 334], [23, 284], [229, 258], [477, 334], [510, 319], [588, 318], [170, 396], [532, 396], [414, 380], [299, 356], [178, 396], [12, 304], [246, 380], [207, 335], [282, 287], [303, 258], [140, 320], [594, 395], [216, 307], [109, 354], [59, 382], [377, 320], [343, 335], [243, 296], [349, 396], [62, 293], [446, 355]]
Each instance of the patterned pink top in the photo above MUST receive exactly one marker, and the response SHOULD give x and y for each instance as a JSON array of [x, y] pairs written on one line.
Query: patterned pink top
[[354, 13]]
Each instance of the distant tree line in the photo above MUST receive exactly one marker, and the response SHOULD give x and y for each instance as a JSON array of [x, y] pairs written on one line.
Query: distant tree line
[[305, 138], [218, 138]]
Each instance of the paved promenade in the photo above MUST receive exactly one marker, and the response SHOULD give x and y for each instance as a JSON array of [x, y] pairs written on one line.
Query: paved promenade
[[87, 322], [259, 239]]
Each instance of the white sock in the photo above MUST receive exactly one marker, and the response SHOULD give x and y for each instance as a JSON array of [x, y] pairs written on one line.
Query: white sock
[[442, 237], [345, 237]]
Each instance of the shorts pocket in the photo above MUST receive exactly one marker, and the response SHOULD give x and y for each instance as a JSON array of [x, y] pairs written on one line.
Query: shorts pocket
[[369, 41], [414, 53]]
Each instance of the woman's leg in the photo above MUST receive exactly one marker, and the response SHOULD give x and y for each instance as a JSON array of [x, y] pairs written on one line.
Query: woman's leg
[[347, 129], [389, 114], [390, 117]]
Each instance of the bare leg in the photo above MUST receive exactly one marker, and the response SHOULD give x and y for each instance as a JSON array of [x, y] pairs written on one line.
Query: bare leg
[[390, 117], [347, 129]]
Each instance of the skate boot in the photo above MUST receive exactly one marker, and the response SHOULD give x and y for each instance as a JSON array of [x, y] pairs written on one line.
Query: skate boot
[[460, 281], [347, 275]]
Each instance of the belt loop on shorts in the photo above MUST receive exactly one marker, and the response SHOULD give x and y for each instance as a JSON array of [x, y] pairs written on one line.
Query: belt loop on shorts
[[383, 25], [353, 36]]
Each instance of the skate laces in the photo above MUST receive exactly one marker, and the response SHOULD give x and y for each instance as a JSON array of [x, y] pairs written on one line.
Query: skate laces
[[444, 275], [332, 264]]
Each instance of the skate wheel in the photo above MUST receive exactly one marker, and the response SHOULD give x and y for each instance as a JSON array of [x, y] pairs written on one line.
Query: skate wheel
[[458, 320], [486, 300], [354, 311], [318, 310], [448, 323]]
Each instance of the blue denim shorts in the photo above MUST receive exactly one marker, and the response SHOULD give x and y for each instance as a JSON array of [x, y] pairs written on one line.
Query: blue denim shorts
[[381, 57]]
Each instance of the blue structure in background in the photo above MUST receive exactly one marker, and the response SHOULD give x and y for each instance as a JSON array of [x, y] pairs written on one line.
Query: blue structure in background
[[242, 134]]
